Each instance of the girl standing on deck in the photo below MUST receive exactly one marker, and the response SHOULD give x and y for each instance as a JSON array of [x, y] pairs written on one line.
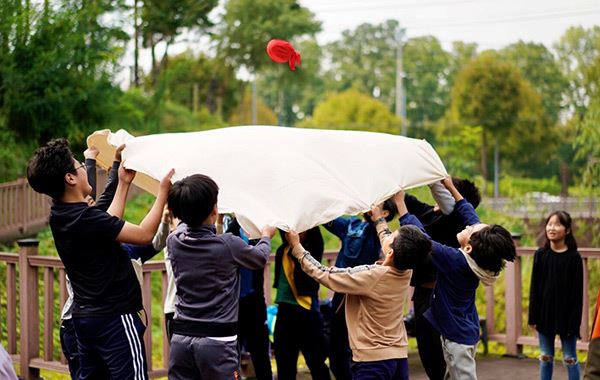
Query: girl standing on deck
[[556, 295]]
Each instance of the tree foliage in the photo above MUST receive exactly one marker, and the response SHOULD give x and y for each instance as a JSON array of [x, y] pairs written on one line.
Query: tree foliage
[[354, 111], [489, 93], [248, 25]]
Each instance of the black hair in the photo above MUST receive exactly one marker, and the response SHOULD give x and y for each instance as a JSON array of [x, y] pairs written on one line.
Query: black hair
[[47, 168], [468, 190], [410, 247], [390, 206], [492, 246], [565, 219], [193, 198]]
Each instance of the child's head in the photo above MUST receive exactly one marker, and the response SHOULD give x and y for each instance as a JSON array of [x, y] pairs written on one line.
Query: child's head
[[559, 228], [489, 245], [468, 190], [193, 200], [410, 247], [54, 171], [389, 211]]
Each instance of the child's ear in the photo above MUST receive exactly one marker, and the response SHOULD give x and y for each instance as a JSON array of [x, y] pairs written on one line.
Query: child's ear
[[468, 249], [215, 210], [70, 179], [385, 213]]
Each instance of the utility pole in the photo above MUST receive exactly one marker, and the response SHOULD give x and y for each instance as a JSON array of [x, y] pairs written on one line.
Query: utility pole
[[254, 101], [400, 95]]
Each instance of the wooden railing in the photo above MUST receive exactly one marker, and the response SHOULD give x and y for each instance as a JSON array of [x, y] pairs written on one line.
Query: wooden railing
[[513, 338], [23, 212], [26, 270]]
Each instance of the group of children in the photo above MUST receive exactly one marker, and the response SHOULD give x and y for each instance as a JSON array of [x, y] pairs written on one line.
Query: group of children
[[444, 248]]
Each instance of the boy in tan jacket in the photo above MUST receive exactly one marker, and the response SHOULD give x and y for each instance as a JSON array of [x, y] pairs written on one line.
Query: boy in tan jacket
[[375, 297]]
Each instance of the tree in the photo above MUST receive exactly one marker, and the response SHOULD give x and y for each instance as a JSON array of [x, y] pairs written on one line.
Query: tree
[[248, 25], [578, 50], [164, 20], [587, 144], [365, 59], [539, 66], [355, 111], [294, 95], [242, 115], [426, 66], [489, 93], [56, 72], [201, 81]]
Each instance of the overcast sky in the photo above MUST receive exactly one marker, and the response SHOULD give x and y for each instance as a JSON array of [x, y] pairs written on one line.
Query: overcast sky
[[492, 24]]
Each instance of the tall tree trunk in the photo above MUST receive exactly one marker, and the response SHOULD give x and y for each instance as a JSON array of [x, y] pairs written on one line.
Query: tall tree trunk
[[136, 49], [496, 167], [153, 55], [484, 163]]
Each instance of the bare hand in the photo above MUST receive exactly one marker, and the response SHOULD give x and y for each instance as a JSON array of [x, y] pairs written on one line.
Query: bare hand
[[399, 197], [447, 182], [126, 176], [293, 238], [91, 153], [376, 211], [165, 183], [268, 231], [118, 153]]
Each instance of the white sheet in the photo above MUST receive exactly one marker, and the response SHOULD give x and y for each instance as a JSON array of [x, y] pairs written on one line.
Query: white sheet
[[288, 177]]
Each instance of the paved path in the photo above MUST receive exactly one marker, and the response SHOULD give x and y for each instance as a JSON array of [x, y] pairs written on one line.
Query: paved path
[[488, 368]]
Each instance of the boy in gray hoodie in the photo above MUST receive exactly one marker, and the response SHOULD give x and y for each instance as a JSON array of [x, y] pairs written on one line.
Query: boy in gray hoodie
[[206, 271]]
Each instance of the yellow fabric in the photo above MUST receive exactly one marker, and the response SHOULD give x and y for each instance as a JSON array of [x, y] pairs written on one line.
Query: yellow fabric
[[288, 269]]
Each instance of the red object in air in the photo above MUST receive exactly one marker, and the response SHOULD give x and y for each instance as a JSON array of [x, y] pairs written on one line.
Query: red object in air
[[282, 51]]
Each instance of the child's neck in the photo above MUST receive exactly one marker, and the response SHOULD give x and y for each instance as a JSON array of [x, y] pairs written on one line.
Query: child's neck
[[558, 246], [72, 197]]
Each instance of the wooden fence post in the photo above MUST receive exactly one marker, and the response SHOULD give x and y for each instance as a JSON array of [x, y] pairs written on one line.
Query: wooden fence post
[[29, 308], [513, 297]]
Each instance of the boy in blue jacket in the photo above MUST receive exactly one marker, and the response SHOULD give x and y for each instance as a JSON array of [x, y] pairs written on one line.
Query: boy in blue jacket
[[483, 251]]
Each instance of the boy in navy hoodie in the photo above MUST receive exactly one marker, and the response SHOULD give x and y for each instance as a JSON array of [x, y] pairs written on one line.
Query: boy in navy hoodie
[[481, 256]]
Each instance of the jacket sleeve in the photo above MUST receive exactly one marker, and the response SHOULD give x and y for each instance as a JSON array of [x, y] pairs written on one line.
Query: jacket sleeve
[[443, 197], [444, 258], [534, 290], [338, 226], [357, 280], [159, 242], [466, 212], [249, 256], [108, 194], [90, 168]]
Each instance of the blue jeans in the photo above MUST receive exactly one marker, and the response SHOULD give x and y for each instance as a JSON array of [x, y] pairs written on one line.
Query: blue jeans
[[391, 369], [569, 356]]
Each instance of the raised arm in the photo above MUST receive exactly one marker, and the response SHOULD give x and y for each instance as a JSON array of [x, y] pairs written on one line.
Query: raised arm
[[144, 232], [108, 194], [356, 280], [90, 155], [462, 207], [159, 242], [251, 256], [443, 197]]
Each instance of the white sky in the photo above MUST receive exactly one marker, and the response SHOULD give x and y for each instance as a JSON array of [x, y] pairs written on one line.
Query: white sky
[[492, 24]]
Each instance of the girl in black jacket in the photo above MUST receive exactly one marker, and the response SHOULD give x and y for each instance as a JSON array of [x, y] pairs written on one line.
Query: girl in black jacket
[[556, 294]]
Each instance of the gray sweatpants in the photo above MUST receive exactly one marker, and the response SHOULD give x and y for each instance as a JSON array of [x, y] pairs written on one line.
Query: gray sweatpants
[[203, 359], [460, 360]]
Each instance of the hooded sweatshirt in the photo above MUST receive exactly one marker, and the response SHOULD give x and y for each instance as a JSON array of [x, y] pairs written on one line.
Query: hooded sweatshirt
[[453, 313], [375, 297]]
